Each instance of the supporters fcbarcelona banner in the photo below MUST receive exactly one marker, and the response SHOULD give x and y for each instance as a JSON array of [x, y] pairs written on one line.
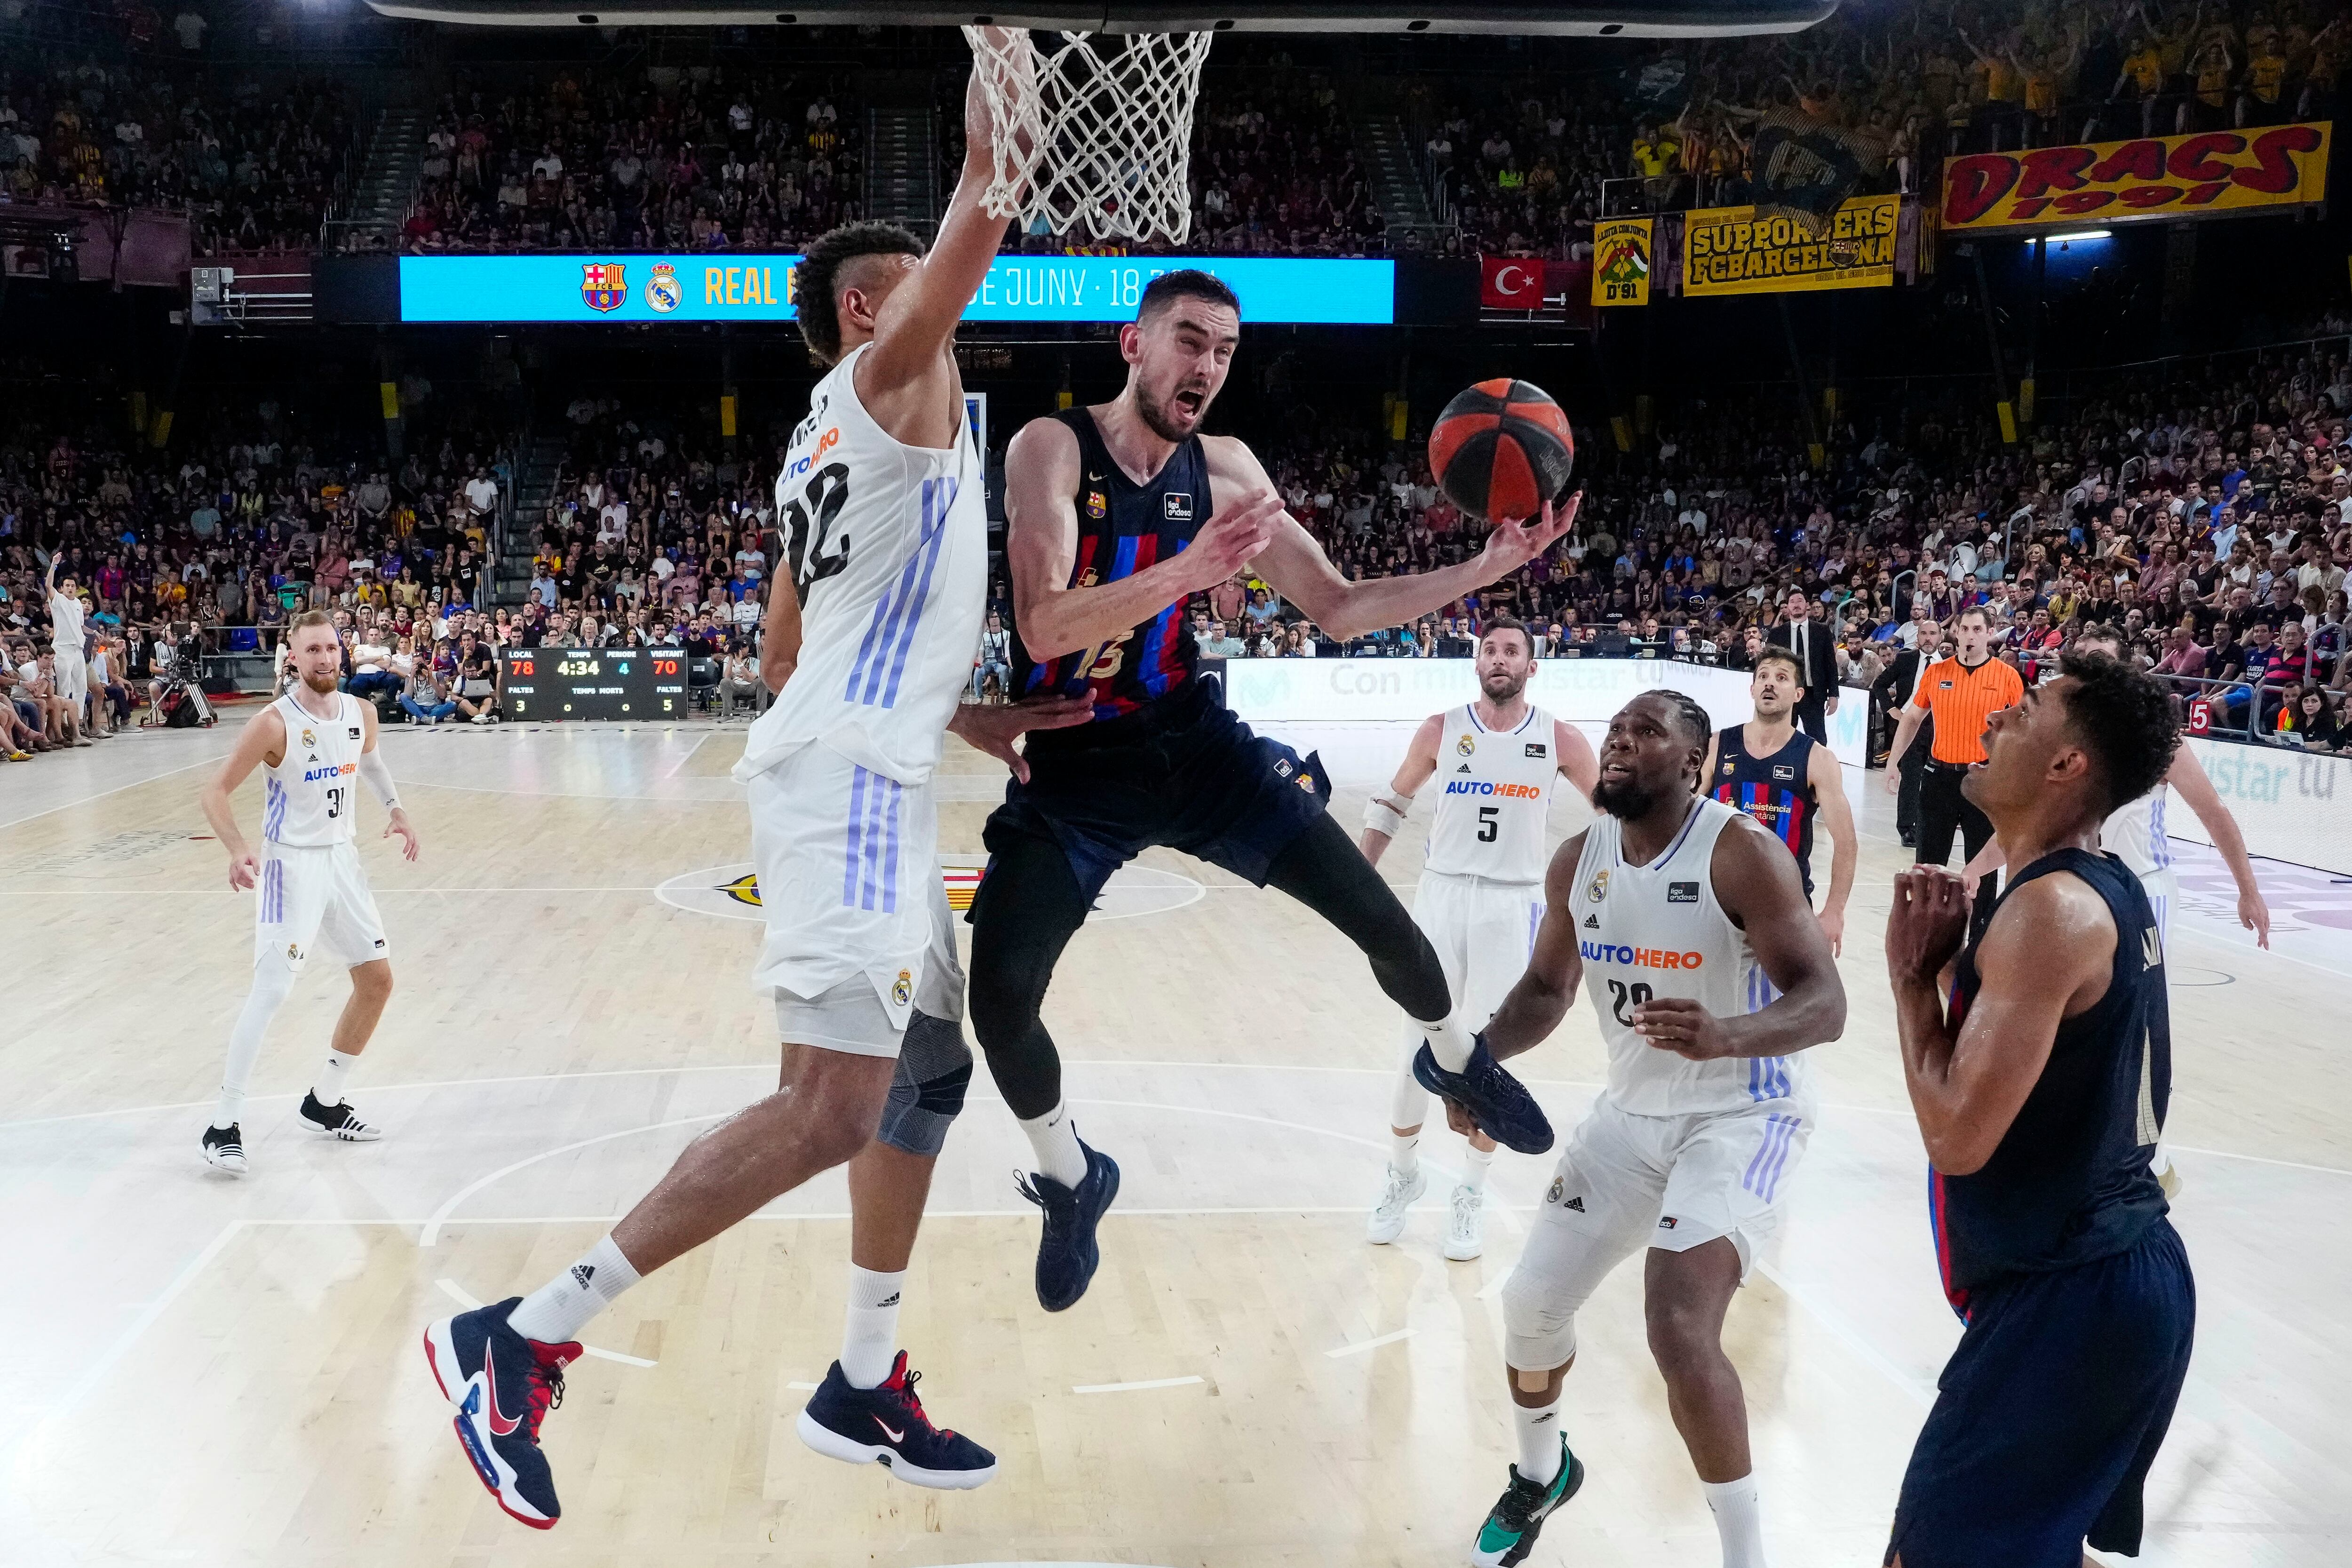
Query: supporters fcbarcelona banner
[[2152, 177], [1621, 261], [1738, 250]]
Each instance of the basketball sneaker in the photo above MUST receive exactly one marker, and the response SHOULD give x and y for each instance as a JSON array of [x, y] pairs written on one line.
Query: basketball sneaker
[[1498, 1102], [338, 1122], [1465, 1228], [225, 1149], [1388, 1216], [886, 1426], [501, 1402], [1510, 1530], [1067, 1253]]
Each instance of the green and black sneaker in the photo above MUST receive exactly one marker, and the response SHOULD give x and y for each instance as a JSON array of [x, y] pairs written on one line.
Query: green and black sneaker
[[1511, 1532]]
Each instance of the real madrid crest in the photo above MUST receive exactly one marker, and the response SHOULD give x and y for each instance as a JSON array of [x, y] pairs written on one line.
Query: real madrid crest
[[309, 739], [663, 293], [903, 988], [1558, 1185], [1465, 745], [1598, 888]]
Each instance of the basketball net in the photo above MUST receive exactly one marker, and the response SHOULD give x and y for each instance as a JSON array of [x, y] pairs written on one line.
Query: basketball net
[[1091, 129]]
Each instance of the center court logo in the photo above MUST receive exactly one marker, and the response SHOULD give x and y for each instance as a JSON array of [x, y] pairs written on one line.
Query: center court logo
[[732, 892]]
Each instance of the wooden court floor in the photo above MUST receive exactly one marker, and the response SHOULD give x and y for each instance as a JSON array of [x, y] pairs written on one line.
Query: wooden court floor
[[219, 1371]]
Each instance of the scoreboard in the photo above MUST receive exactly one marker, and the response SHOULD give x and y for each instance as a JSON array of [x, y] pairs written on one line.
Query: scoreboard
[[594, 683]]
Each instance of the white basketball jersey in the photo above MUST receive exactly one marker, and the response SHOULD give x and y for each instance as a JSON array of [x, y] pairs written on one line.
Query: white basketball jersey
[[2134, 833], [887, 546], [307, 798], [1490, 815], [1657, 931]]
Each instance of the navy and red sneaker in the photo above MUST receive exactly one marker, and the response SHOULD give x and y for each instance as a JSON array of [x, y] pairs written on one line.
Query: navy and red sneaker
[[1067, 1253], [886, 1426], [1498, 1102], [501, 1402]]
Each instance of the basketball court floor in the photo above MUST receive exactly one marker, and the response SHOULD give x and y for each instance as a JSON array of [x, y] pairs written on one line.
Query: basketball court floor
[[206, 1369]]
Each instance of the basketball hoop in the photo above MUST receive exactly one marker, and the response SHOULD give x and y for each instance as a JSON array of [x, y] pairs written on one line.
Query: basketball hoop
[[1092, 128]]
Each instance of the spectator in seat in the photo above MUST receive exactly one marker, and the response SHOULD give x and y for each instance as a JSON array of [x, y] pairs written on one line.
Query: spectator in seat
[[743, 679], [995, 658]]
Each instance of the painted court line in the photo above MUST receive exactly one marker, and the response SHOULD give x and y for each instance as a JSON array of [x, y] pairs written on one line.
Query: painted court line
[[457, 1293], [1360, 1346], [1134, 1387]]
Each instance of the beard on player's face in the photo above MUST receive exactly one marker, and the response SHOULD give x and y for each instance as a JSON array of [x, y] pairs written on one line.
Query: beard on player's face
[[1177, 414], [321, 682], [1628, 797], [1503, 685]]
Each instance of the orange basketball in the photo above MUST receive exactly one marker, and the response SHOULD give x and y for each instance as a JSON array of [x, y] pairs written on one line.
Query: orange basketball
[[1502, 448]]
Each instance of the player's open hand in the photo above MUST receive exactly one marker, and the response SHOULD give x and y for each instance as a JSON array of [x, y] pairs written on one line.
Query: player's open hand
[[994, 729], [1229, 541], [244, 872], [1927, 924], [2255, 914], [407, 831], [1678, 1023], [1512, 543]]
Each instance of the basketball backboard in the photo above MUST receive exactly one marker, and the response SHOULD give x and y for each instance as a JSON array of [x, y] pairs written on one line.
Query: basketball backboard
[[1560, 18]]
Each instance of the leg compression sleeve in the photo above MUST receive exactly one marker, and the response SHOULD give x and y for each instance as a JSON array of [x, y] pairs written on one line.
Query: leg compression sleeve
[[1027, 907], [927, 1093], [1325, 871]]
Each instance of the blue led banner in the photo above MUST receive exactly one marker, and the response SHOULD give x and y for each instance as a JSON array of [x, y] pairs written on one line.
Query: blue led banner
[[759, 287]]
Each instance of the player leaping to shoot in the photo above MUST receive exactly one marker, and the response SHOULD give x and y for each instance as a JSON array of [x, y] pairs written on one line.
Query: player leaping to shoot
[[1117, 514], [315, 744]]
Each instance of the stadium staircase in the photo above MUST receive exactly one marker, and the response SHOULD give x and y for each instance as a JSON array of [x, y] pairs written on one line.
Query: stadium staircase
[[1393, 167], [902, 156], [371, 216], [535, 473]]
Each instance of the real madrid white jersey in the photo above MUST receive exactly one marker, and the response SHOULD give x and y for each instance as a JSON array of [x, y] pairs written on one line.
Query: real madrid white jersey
[[1657, 931], [887, 546], [1498, 789], [2134, 833], [307, 799]]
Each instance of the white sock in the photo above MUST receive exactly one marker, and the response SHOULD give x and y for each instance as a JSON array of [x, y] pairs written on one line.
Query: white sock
[[328, 1086], [1539, 1445], [1738, 1518], [869, 1340], [1449, 1042], [1404, 1153], [272, 983], [1476, 1163], [1054, 1138], [558, 1310]]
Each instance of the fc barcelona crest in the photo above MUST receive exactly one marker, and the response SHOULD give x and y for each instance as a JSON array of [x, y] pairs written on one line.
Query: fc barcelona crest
[[603, 284], [1097, 504]]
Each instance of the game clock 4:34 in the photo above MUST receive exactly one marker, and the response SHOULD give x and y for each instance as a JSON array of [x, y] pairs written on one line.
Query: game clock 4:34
[[594, 683]]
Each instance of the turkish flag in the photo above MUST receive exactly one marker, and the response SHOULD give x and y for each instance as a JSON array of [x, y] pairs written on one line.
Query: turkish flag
[[1510, 283]]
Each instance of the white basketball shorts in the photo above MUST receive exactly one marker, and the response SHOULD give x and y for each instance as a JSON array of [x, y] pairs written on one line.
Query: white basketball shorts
[[1484, 932], [1626, 1181], [848, 869], [316, 894]]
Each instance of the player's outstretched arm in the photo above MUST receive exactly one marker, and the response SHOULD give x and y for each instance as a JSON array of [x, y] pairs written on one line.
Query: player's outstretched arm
[[1756, 883], [1384, 813], [2187, 774], [1555, 969], [263, 741], [1828, 778], [2046, 957], [1303, 575], [1041, 544], [918, 321]]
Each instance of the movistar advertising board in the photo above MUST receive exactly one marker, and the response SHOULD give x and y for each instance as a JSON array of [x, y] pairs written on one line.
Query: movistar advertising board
[[495, 288]]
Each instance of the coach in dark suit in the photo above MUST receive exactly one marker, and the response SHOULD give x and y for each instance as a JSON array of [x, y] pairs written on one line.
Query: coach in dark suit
[[1815, 645], [1892, 691]]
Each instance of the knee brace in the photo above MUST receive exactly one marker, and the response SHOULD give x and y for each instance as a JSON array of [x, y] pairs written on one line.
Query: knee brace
[[1539, 1324], [926, 1092]]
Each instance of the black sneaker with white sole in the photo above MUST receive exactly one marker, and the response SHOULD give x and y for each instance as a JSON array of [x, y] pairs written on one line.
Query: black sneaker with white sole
[[886, 1426], [336, 1121], [225, 1149]]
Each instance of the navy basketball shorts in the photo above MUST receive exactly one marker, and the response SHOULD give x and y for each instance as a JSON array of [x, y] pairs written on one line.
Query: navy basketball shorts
[[1183, 774], [2050, 1413]]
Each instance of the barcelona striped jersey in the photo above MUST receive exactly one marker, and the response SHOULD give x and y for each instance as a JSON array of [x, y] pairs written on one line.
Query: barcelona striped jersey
[[1776, 791], [1124, 528]]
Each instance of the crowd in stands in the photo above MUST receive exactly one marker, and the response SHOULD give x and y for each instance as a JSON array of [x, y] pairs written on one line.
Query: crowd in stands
[[252, 162], [692, 158]]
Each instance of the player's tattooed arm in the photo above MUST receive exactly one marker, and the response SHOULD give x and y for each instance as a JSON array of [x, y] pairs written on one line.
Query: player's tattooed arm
[[262, 740], [1385, 814], [1756, 883], [1555, 969], [2047, 956]]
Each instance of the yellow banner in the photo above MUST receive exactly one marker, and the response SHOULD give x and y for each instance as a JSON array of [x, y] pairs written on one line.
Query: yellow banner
[[1730, 250], [1621, 261], [2152, 177]]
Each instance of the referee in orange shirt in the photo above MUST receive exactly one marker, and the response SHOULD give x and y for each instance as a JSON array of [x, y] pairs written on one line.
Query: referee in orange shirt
[[1962, 694]]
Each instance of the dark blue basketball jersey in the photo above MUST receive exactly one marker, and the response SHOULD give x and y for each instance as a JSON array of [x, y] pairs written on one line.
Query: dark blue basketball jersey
[[2070, 1183], [1123, 528], [1777, 791]]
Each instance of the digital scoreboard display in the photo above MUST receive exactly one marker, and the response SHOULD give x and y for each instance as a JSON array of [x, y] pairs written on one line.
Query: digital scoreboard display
[[594, 683]]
